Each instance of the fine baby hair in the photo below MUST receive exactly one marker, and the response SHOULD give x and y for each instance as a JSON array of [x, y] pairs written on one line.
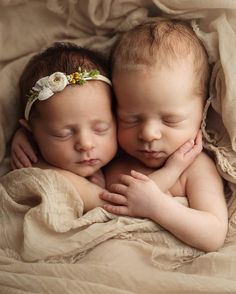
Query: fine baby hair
[[66, 58], [161, 42]]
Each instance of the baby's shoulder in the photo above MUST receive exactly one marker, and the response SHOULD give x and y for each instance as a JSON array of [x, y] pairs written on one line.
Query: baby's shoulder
[[202, 166], [203, 159], [195, 174]]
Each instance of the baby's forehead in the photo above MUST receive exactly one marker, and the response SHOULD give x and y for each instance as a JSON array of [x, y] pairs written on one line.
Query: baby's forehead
[[154, 62], [179, 75]]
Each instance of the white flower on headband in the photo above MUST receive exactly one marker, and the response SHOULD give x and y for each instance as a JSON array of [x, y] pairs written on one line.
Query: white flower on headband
[[49, 85], [56, 82]]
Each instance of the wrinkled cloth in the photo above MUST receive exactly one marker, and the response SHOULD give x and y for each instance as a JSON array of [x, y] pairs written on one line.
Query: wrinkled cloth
[[48, 249], [47, 244], [28, 26]]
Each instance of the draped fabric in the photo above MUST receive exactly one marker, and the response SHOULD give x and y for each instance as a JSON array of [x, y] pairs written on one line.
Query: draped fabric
[[47, 248]]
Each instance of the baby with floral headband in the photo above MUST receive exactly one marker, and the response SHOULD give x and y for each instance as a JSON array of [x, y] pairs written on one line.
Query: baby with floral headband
[[160, 76], [68, 109]]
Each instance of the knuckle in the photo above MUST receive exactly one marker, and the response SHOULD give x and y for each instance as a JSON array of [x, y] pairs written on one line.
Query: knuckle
[[115, 188], [22, 159], [115, 209], [106, 196], [119, 189]]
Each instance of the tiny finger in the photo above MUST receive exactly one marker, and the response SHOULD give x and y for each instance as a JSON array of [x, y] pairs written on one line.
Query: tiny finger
[[198, 140], [187, 146], [197, 148], [113, 198], [115, 209], [118, 188], [126, 179], [199, 136], [29, 153], [15, 162], [25, 161], [22, 157], [139, 176]]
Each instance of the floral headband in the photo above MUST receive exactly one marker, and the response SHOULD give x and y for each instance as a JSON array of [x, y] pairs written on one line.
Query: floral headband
[[56, 82]]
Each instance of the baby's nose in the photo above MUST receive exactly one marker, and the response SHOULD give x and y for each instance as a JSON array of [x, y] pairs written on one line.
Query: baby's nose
[[84, 142], [150, 131]]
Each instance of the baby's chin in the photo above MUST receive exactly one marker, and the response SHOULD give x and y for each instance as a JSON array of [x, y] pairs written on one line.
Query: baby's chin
[[153, 163], [84, 172]]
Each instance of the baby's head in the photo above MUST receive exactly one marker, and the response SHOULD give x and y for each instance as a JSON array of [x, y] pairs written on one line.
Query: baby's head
[[160, 77], [68, 106], [162, 43]]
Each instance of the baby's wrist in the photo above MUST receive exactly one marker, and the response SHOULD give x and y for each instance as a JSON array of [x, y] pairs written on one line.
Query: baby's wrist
[[173, 167]]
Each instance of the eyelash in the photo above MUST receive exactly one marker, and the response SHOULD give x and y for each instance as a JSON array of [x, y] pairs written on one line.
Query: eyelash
[[97, 131], [129, 120], [170, 122], [136, 120], [102, 128], [61, 136]]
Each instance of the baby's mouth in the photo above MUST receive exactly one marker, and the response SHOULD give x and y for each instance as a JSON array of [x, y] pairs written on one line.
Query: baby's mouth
[[149, 154], [89, 162]]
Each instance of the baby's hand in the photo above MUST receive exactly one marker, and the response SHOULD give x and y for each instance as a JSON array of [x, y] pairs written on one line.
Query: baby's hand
[[135, 195], [98, 179], [186, 154], [22, 152]]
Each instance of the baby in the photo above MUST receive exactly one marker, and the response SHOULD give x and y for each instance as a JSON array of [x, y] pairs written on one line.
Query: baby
[[160, 76], [68, 108]]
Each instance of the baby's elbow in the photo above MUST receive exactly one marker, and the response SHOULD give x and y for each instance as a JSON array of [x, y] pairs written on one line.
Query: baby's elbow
[[216, 242], [213, 246]]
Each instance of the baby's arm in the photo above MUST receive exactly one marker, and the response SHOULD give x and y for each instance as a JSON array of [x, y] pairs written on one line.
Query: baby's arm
[[87, 191], [23, 154], [167, 176], [203, 224]]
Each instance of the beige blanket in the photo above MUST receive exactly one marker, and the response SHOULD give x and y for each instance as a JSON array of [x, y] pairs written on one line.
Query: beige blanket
[[47, 248]]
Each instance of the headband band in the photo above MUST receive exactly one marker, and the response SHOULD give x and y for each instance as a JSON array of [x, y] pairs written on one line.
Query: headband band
[[56, 82]]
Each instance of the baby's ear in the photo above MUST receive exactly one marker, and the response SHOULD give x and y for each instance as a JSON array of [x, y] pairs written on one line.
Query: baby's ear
[[25, 124]]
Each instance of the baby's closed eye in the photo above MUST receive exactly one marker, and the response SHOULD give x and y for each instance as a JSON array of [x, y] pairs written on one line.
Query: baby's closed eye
[[101, 127], [63, 134], [128, 119], [172, 120]]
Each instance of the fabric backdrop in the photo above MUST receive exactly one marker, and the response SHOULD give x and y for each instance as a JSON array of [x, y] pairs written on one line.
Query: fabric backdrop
[[123, 259]]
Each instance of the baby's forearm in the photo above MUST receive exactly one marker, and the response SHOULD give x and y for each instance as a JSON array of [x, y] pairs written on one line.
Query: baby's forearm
[[165, 177], [87, 191], [200, 229]]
